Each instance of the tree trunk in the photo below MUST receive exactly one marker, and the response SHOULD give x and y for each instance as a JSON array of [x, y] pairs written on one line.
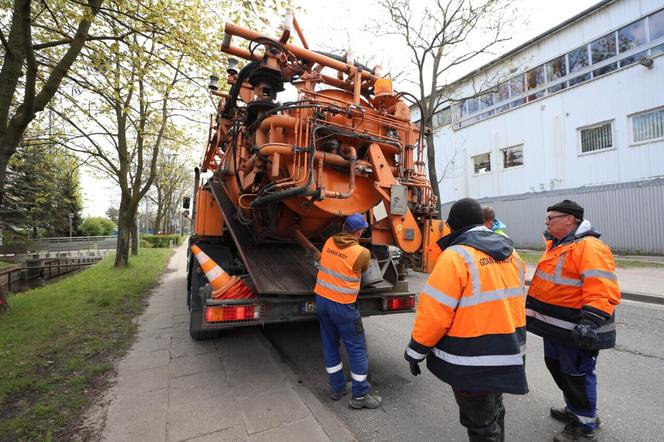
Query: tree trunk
[[134, 238], [122, 249], [3, 175], [431, 164], [124, 232], [7, 149]]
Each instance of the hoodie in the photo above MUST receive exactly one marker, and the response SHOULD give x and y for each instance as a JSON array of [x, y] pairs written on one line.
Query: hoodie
[[343, 240], [584, 229], [498, 247]]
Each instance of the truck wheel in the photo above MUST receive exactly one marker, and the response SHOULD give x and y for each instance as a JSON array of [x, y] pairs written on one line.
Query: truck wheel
[[196, 326]]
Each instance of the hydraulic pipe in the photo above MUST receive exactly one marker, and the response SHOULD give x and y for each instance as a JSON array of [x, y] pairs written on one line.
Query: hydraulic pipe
[[304, 242], [296, 25], [310, 56], [287, 149], [351, 178]]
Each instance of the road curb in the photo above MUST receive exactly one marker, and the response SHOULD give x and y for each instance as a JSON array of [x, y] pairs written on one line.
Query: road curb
[[331, 424], [643, 297], [636, 296]]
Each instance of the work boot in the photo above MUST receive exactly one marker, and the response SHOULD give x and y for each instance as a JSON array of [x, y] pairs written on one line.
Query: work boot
[[574, 432], [338, 394], [564, 415], [366, 401]]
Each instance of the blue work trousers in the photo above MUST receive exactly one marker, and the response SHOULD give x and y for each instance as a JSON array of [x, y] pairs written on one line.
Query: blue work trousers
[[343, 322], [574, 372]]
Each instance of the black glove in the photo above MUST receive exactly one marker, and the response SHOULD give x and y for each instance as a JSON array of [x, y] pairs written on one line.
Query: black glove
[[414, 368], [585, 335]]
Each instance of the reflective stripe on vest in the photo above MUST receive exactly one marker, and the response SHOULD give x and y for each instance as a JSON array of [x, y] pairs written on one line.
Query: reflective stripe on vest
[[481, 361], [557, 277], [336, 279], [565, 325], [478, 296], [336, 288], [339, 275]]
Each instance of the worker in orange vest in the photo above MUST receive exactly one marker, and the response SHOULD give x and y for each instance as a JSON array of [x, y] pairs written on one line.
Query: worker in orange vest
[[342, 262], [470, 324], [571, 304]]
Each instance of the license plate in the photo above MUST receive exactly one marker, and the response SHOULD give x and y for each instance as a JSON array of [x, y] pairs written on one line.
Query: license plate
[[309, 307]]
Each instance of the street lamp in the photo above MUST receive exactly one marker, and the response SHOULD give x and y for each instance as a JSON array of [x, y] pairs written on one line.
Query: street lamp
[[71, 219]]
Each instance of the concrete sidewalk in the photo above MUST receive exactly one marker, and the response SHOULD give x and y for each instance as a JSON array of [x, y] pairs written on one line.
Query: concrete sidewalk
[[233, 388]]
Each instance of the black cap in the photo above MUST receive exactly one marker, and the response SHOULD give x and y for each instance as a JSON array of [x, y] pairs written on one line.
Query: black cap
[[465, 212], [569, 207]]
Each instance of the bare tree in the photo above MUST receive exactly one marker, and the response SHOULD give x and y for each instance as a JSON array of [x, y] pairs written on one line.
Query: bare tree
[[172, 183], [442, 36]]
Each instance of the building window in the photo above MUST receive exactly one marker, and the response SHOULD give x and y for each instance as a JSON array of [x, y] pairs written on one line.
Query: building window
[[472, 106], [503, 92], [443, 118], [648, 126], [630, 37], [517, 87], [578, 60], [482, 163], [556, 69], [602, 49], [596, 137], [535, 80], [657, 25], [658, 50], [512, 156]]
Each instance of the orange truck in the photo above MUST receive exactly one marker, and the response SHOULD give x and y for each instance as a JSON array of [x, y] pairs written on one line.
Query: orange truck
[[278, 178]]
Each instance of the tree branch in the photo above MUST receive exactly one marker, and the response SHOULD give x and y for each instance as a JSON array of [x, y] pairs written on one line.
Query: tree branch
[[65, 41]]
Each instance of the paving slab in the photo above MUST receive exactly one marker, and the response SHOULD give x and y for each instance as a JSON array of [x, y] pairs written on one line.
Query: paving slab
[[272, 409], [233, 388]]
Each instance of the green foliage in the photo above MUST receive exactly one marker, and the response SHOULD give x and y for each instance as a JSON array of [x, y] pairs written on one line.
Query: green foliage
[[146, 244], [532, 258], [42, 190], [58, 343], [163, 240], [97, 226], [4, 264]]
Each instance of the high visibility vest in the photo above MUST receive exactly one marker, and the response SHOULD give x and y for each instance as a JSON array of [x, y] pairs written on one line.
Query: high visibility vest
[[569, 278], [336, 279], [470, 322]]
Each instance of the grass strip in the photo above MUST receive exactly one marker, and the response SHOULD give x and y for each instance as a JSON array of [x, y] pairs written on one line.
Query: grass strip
[[532, 258], [58, 344], [4, 264]]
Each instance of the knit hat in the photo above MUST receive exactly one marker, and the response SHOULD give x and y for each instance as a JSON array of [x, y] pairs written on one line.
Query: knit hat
[[569, 207], [355, 222], [465, 212]]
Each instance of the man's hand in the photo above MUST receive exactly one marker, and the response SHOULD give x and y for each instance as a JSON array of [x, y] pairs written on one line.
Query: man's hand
[[415, 368], [585, 335]]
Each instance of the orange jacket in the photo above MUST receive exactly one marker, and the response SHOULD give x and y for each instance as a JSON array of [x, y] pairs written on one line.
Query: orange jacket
[[337, 280], [573, 281], [470, 318]]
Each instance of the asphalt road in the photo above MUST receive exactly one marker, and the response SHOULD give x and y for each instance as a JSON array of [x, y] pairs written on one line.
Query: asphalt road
[[631, 382]]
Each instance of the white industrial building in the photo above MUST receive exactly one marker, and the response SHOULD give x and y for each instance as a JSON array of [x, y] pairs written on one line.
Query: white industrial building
[[578, 107]]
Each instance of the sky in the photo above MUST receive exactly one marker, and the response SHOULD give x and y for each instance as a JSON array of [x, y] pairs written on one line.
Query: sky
[[342, 24]]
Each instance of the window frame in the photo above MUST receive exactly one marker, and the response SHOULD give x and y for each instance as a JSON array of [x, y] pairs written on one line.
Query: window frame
[[611, 122], [523, 160], [647, 49], [472, 160], [630, 127]]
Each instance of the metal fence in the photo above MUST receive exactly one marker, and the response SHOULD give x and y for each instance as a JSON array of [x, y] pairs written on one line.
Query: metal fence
[[58, 245], [629, 215]]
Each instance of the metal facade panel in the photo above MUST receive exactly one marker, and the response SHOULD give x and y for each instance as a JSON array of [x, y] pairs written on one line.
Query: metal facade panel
[[627, 214]]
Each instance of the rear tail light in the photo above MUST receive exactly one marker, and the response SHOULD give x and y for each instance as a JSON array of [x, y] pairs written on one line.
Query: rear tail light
[[399, 303], [233, 313]]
